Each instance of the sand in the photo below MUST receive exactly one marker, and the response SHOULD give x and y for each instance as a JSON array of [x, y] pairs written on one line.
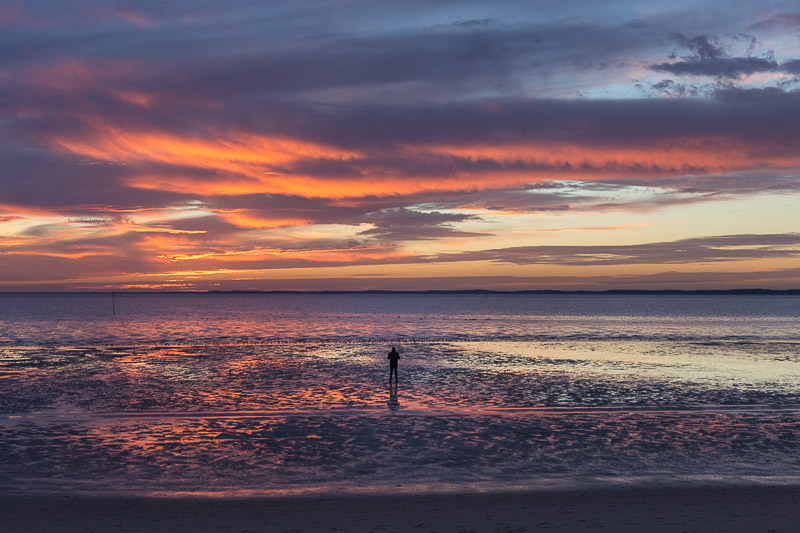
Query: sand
[[764, 509]]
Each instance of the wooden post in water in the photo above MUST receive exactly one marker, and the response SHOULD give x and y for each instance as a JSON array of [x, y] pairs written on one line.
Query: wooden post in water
[[113, 304]]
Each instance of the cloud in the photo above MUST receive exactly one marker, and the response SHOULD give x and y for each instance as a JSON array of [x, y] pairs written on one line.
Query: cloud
[[711, 58], [406, 225], [792, 66], [90, 250], [672, 88], [686, 251], [440, 59], [721, 185], [701, 279], [704, 46], [380, 151], [721, 67]]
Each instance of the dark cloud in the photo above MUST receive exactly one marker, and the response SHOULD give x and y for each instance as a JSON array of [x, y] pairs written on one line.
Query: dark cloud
[[711, 58], [672, 88], [407, 225], [635, 122], [702, 279], [686, 251], [521, 201], [596, 122], [791, 66], [49, 180], [704, 46], [77, 262], [660, 280], [690, 187], [746, 97], [721, 67], [223, 53], [472, 23]]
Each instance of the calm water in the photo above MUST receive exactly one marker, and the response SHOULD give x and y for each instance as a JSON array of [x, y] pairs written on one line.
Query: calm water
[[87, 319], [284, 394]]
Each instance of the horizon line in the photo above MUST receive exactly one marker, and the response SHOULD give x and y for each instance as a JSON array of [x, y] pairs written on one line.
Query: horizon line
[[746, 291]]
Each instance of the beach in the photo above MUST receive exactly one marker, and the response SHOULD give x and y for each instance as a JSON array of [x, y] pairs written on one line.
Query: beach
[[697, 509]]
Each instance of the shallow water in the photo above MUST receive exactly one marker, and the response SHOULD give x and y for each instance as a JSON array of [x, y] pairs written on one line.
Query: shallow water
[[70, 319], [128, 405]]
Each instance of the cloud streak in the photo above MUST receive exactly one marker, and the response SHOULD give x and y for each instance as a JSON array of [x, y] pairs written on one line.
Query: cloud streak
[[687, 251]]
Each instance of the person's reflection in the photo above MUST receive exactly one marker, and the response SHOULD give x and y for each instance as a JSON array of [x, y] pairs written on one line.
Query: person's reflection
[[393, 402]]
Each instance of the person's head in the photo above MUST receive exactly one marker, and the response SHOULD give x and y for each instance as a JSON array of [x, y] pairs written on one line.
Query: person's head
[[392, 348]]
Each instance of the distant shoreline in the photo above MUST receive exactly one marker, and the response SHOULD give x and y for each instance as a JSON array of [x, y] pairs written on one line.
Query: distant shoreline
[[610, 292]]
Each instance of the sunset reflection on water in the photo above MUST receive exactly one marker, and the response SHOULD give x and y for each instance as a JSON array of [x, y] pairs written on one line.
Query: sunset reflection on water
[[432, 375], [304, 416]]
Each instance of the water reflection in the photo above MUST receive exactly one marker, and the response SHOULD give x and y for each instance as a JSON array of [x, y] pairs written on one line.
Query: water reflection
[[486, 374], [393, 402], [259, 417], [334, 451]]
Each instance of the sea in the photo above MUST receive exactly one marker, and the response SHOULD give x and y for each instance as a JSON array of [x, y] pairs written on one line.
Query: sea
[[232, 395]]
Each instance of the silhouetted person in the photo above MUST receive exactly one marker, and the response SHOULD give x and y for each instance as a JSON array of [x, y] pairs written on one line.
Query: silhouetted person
[[393, 357]]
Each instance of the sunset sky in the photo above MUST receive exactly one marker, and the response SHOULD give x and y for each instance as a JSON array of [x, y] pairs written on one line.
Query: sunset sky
[[193, 145]]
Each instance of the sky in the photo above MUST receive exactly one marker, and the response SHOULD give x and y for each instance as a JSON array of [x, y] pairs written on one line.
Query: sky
[[409, 145]]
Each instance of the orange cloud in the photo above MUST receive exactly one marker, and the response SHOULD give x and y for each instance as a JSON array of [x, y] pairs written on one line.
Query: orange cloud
[[140, 99], [342, 255], [200, 273], [242, 153], [148, 229], [333, 188], [243, 163], [134, 286], [245, 219], [702, 155], [216, 255], [64, 255], [163, 242]]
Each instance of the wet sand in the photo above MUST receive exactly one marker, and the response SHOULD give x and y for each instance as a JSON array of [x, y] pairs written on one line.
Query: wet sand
[[764, 509]]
